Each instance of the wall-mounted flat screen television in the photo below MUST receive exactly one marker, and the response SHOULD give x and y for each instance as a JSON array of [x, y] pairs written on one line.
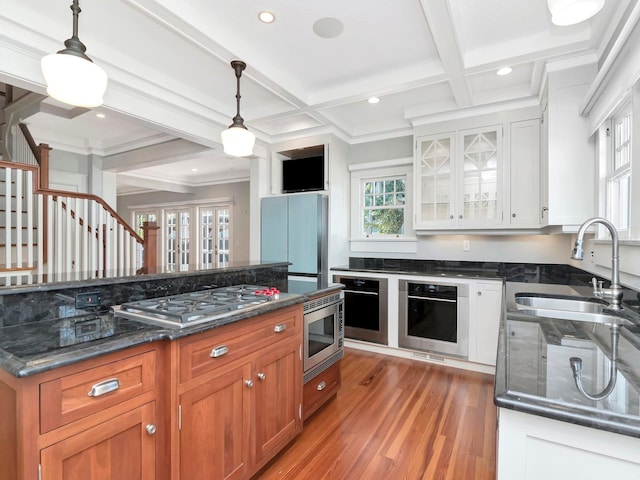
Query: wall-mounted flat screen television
[[303, 174]]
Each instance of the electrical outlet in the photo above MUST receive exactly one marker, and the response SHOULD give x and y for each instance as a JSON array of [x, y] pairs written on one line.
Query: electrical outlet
[[88, 299], [466, 245]]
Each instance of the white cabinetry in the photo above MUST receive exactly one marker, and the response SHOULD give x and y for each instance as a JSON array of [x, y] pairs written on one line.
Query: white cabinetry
[[568, 152], [524, 174], [485, 312], [459, 179], [532, 447]]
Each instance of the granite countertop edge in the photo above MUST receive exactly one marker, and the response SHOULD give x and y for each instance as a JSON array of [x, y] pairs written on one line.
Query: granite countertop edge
[[21, 368], [454, 274], [625, 425]]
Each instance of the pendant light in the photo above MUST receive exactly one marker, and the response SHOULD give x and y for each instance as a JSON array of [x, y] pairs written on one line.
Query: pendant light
[[71, 76], [237, 140], [570, 12]]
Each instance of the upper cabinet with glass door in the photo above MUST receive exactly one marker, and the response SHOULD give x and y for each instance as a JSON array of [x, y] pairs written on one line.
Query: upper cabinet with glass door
[[459, 179]]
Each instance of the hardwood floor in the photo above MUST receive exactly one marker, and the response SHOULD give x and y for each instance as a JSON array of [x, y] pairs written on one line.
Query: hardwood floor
[[393, 419]]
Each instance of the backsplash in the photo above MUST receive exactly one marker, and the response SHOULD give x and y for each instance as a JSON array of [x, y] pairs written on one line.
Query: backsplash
[[25, 305]]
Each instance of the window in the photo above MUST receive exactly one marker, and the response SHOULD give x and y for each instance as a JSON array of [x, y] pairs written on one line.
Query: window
[[140, 217], [618, 177], [383, 206]]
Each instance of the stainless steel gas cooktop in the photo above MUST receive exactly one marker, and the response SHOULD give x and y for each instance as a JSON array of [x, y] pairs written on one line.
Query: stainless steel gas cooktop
[[178, 311]]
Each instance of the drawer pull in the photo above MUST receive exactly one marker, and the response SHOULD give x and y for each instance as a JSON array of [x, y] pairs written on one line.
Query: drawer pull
[[248, 383], [219, 351], [281, 327], [321, 386], [261, 376], [104, 387]]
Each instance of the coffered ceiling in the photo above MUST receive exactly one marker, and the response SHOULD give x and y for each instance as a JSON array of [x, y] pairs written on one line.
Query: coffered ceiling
[[169, 73]]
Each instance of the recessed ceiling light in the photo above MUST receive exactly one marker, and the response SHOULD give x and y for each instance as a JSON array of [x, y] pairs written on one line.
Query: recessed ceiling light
[[504, 71], [194, 169], [266, 17], [328, 27], [373, 100], [100, 115]]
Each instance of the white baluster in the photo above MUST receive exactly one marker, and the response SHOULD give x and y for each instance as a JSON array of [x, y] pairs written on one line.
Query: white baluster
[[85, 236], [7, 217], [50, 236], [19, 239], [100, 243], [30, 213], [41, 224]]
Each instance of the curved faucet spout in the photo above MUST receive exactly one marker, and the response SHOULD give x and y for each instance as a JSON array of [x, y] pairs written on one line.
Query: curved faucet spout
[[614, 292], [576, 367]]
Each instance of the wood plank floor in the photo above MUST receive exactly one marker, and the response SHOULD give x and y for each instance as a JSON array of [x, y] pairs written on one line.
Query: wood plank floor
[[393, 419]]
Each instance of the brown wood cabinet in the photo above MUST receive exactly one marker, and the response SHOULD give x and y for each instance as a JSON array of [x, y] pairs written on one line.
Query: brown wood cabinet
[[212, 406], [320, 389], [238, 396], [96, 419]]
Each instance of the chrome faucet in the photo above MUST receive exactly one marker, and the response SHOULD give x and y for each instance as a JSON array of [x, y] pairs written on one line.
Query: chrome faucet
[[614, 292]]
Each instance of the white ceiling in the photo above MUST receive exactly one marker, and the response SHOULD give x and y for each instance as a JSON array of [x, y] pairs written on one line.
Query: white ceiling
[[422, 58]]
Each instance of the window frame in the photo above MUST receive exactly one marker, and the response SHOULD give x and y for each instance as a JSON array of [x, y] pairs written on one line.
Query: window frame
[[613, 173], [361, 173]]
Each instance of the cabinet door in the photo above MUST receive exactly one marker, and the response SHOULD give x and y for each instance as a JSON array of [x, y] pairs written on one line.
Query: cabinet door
[[278, 380], [215, 428], [487, 312], [434, 178], [481, 176], [303, 235], [525, 210], [119, 448], [273, 229]]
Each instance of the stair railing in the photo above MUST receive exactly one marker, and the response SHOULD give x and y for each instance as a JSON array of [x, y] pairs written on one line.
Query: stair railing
[[79, 234]]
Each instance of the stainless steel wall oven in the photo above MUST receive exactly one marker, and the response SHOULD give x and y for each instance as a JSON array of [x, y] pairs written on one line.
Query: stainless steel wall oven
[[434, 317], [323, 333], [365, 308]]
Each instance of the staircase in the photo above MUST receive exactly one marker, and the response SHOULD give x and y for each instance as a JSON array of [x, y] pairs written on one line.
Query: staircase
[[50, 235]]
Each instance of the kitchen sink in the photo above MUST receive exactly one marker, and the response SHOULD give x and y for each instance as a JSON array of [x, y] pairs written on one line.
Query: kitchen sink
[[568, 307]]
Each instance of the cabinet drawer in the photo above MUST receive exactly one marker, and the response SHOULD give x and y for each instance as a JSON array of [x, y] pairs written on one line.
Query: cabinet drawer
[[235, 341], [320, 389], [75, 396]]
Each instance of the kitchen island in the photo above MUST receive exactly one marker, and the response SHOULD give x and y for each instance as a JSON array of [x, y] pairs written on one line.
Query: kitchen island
[[547, 428], [81, 384]]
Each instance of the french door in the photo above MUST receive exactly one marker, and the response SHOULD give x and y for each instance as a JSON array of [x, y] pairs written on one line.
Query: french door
[[215, 246], [177, 235]]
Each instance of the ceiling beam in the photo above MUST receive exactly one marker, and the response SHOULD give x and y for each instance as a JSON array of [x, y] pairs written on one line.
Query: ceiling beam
[[146, 183], [443, 31], [159, 154]]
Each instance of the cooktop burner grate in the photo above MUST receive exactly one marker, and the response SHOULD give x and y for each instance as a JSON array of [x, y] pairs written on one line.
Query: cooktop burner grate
[[198, 306]]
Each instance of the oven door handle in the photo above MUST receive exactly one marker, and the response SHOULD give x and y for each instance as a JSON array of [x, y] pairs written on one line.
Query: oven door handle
[[362, 292], [431, 299]]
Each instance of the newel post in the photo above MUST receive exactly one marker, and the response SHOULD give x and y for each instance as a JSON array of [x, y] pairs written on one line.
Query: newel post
[[150, 252]]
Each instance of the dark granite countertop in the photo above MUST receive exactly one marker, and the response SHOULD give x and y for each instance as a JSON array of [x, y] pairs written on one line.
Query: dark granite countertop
[[30, 348], [533, 373]]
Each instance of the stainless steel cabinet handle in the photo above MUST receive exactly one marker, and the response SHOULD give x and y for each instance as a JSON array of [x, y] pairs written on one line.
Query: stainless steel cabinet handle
[[321, 386], [261, 376], [431, 299], [479, 294], [219, 351], [151, 429], [248, 383], [106, 386], [281, 327]]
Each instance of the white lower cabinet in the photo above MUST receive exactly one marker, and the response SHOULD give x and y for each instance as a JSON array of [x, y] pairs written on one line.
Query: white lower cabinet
[[531, 447], [485, 312]]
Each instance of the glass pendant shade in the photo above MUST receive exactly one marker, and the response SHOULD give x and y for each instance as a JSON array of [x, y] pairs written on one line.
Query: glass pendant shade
[[238, 141], [570, 12], [74, 80]]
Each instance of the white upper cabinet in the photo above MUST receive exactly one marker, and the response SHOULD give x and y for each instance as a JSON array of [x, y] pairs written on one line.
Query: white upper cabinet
[[525, 210], [459, 179], [568, 152]]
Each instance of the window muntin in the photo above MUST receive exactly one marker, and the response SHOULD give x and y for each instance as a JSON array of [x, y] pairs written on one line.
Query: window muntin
[[383, 201], [618, 175]]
